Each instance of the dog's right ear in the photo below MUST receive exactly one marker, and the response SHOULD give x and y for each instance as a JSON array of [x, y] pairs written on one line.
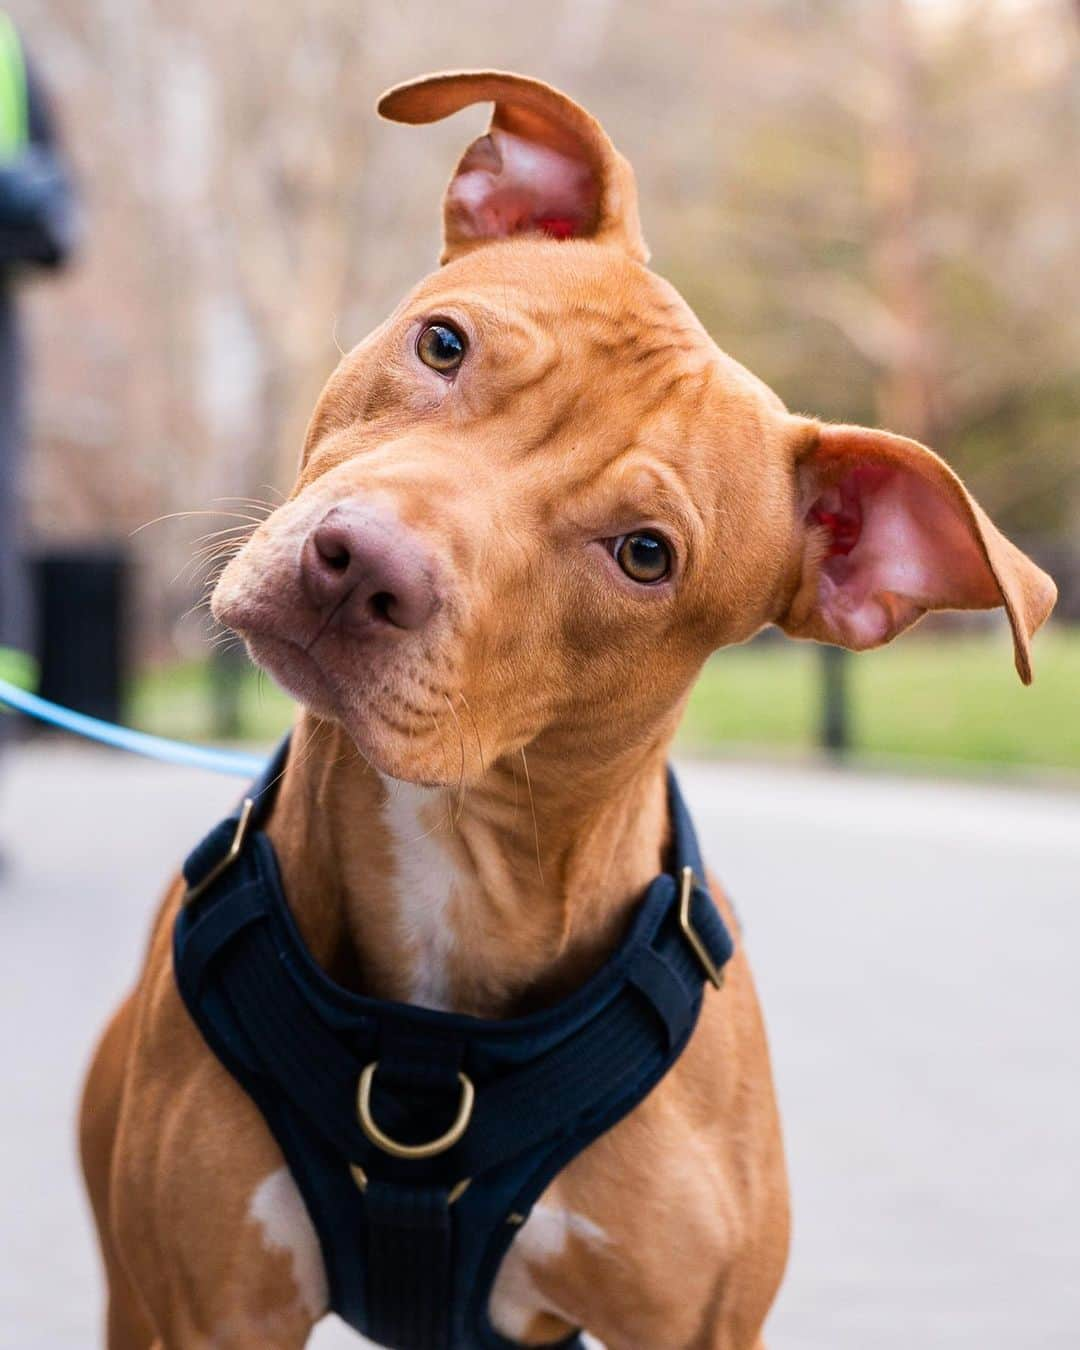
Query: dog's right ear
[[545, 166]]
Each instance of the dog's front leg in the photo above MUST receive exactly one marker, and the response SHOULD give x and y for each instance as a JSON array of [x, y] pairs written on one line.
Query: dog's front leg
[[214, 1238], [205, 1217]]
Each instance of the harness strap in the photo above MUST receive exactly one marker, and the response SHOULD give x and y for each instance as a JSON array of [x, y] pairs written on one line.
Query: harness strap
[[579, 1074], [408, 1251], [411, 1251], [272, 1013], [583, 1073]]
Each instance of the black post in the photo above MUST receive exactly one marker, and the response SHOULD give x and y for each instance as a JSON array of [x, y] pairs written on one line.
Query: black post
[[81, 596], [228, 666], [835, 718]]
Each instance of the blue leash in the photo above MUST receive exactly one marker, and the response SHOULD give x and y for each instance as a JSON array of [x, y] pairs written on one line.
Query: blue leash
[[233, 762]]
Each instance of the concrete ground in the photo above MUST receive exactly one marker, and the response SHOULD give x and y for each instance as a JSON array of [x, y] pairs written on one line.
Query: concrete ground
[[916, 949]]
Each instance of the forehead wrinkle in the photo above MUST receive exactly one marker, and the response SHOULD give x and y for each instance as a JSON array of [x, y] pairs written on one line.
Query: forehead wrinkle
[[660, 485], [512, 347], [666, 490], [659, 324], [671, 379], [489, 317], [610, 323], [505, 293]]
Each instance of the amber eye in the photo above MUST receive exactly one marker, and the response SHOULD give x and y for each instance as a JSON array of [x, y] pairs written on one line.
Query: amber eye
[[441, 347], [644, 557]]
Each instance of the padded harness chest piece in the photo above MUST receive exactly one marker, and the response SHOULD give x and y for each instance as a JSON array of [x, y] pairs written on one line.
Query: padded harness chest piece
[[420, 1140]]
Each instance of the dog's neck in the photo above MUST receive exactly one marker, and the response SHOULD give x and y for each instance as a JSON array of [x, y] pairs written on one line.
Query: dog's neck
[[492, 900]]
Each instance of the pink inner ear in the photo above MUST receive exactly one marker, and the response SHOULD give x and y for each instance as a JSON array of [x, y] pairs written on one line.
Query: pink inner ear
[[896, 545], [507, 185]]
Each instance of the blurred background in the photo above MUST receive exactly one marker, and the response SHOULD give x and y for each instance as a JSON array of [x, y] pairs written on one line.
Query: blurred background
[[871, 203]]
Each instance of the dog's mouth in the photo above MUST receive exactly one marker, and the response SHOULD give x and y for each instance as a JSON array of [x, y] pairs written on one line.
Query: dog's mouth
[[292, 665], [389, 703]]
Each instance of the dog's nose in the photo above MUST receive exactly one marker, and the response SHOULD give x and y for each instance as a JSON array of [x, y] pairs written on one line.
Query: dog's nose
[[367, 566]]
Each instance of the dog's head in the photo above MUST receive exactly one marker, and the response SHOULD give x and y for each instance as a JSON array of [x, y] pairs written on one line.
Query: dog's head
[[535, 498]]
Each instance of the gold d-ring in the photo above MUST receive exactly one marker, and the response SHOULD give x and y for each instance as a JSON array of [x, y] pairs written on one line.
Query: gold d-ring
[[414, 1151]]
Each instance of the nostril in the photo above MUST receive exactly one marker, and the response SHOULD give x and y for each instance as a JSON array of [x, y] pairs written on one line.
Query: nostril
[[334, 554], [381, 602]]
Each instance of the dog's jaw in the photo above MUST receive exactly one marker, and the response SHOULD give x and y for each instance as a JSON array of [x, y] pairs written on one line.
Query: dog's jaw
[[362, 701]]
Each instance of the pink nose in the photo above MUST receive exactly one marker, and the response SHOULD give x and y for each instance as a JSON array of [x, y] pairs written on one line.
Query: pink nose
[[362, 563]]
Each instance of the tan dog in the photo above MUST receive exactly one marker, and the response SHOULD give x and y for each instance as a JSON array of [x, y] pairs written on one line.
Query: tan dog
[[530, 505]]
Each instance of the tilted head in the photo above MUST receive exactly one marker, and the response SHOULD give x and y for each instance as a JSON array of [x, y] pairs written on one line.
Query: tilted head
[[538, 496]]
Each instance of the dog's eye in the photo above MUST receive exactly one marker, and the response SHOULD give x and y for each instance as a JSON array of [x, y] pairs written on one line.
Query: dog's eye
[[441, 347], [644, 557]]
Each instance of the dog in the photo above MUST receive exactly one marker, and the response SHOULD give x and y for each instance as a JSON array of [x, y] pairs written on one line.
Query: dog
[[529, 506]]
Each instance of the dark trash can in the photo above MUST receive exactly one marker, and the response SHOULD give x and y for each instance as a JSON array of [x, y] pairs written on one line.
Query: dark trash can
[[81, 621]]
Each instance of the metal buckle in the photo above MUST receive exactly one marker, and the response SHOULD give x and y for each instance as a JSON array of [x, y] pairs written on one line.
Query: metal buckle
[[453, 1195], [235, 849], [433, 1147], [686, 893]]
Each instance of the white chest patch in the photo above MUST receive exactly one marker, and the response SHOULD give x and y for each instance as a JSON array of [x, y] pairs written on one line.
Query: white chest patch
[[277, 1207], [426, 877], [515, 1298]]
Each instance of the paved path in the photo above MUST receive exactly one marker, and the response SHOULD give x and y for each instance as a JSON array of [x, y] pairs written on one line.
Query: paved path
[[916, 948]]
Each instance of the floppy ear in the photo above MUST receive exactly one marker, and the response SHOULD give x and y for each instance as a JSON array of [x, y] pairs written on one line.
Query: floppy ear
[[888, 532], [544, 166]]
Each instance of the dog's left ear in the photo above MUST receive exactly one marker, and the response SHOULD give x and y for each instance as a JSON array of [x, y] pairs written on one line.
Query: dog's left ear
[[545, 166], [888, 532]]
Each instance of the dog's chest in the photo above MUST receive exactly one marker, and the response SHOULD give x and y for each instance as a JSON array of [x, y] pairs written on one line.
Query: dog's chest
[[426, 880]]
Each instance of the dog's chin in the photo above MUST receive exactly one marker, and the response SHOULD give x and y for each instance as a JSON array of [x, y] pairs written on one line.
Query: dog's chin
[[392, 753], [295, 670]]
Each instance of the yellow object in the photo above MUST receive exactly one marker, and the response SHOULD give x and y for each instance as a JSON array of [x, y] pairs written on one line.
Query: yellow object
[[235, 849], [686, 896], [434, 1146], [18, 669], [13, 106]]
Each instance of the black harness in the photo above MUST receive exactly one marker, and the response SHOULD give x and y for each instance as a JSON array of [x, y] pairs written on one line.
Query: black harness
[[420, 1140]]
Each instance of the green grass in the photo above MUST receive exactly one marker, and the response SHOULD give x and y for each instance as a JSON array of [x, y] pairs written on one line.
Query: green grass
[[18, 668], [929, 698], [177, 700]]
